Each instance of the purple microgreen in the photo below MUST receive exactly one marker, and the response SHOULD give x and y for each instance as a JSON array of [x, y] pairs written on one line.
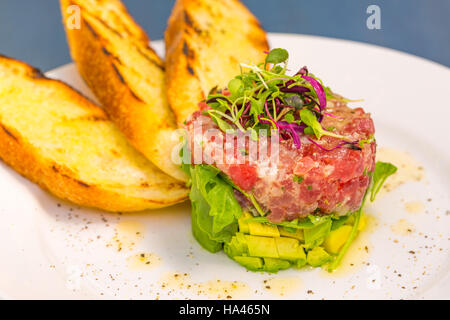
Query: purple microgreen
[[319, 91], [332, 115]]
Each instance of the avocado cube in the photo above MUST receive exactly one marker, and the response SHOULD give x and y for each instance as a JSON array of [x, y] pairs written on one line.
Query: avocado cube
[[289, 249], [261, 246], [262, 229], [362, 221], [317, 257], [243, 225], [240, 238], [233, 248], [274, 265], [300, 263], [298, 234], [237, 246], [251, 263], [337, 238]]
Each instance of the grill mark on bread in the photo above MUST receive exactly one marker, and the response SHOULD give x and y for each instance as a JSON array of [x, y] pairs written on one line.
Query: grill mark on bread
[[188, 52], [107, 26], [191, 23], [90, 118], [81, 183], [121, 78], [135, 95], [190, 70], [103, 23], [188, 19], [8, 132], [105, 51], [149, 59], [91, 29]]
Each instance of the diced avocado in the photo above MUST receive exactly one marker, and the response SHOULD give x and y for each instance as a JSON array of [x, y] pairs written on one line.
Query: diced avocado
[[243, 225], [237, 246], [350, 220], [274, 265], [289, 249], [261, 246], [234, 248], [362, 221], [240, 237], [317, 257], [300, 263], [251, 263], [298, 234], [336, 239], [263, 229]]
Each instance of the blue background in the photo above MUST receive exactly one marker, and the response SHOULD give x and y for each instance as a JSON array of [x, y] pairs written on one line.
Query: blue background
[[31, 30]]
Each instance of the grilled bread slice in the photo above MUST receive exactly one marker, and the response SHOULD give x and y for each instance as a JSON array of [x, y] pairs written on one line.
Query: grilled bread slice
[[113, 56], [60, 140], [205, 42]]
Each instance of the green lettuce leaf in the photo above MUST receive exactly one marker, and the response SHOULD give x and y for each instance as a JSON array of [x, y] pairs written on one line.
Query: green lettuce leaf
[[215, 209]]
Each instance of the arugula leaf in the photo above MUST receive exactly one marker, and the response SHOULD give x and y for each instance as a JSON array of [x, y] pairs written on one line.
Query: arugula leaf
[[309, 222], [311, 121], [315, 236], [382, 171], [337, 223]]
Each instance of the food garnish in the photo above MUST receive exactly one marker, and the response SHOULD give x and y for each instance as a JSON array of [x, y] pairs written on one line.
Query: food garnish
[[263, 97], [229, 214]]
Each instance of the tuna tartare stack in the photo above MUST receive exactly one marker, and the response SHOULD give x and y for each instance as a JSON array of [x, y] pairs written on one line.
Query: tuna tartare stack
[[280, 169]]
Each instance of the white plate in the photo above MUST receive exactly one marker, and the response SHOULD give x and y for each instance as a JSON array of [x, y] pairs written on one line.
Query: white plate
[[63, 251]]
